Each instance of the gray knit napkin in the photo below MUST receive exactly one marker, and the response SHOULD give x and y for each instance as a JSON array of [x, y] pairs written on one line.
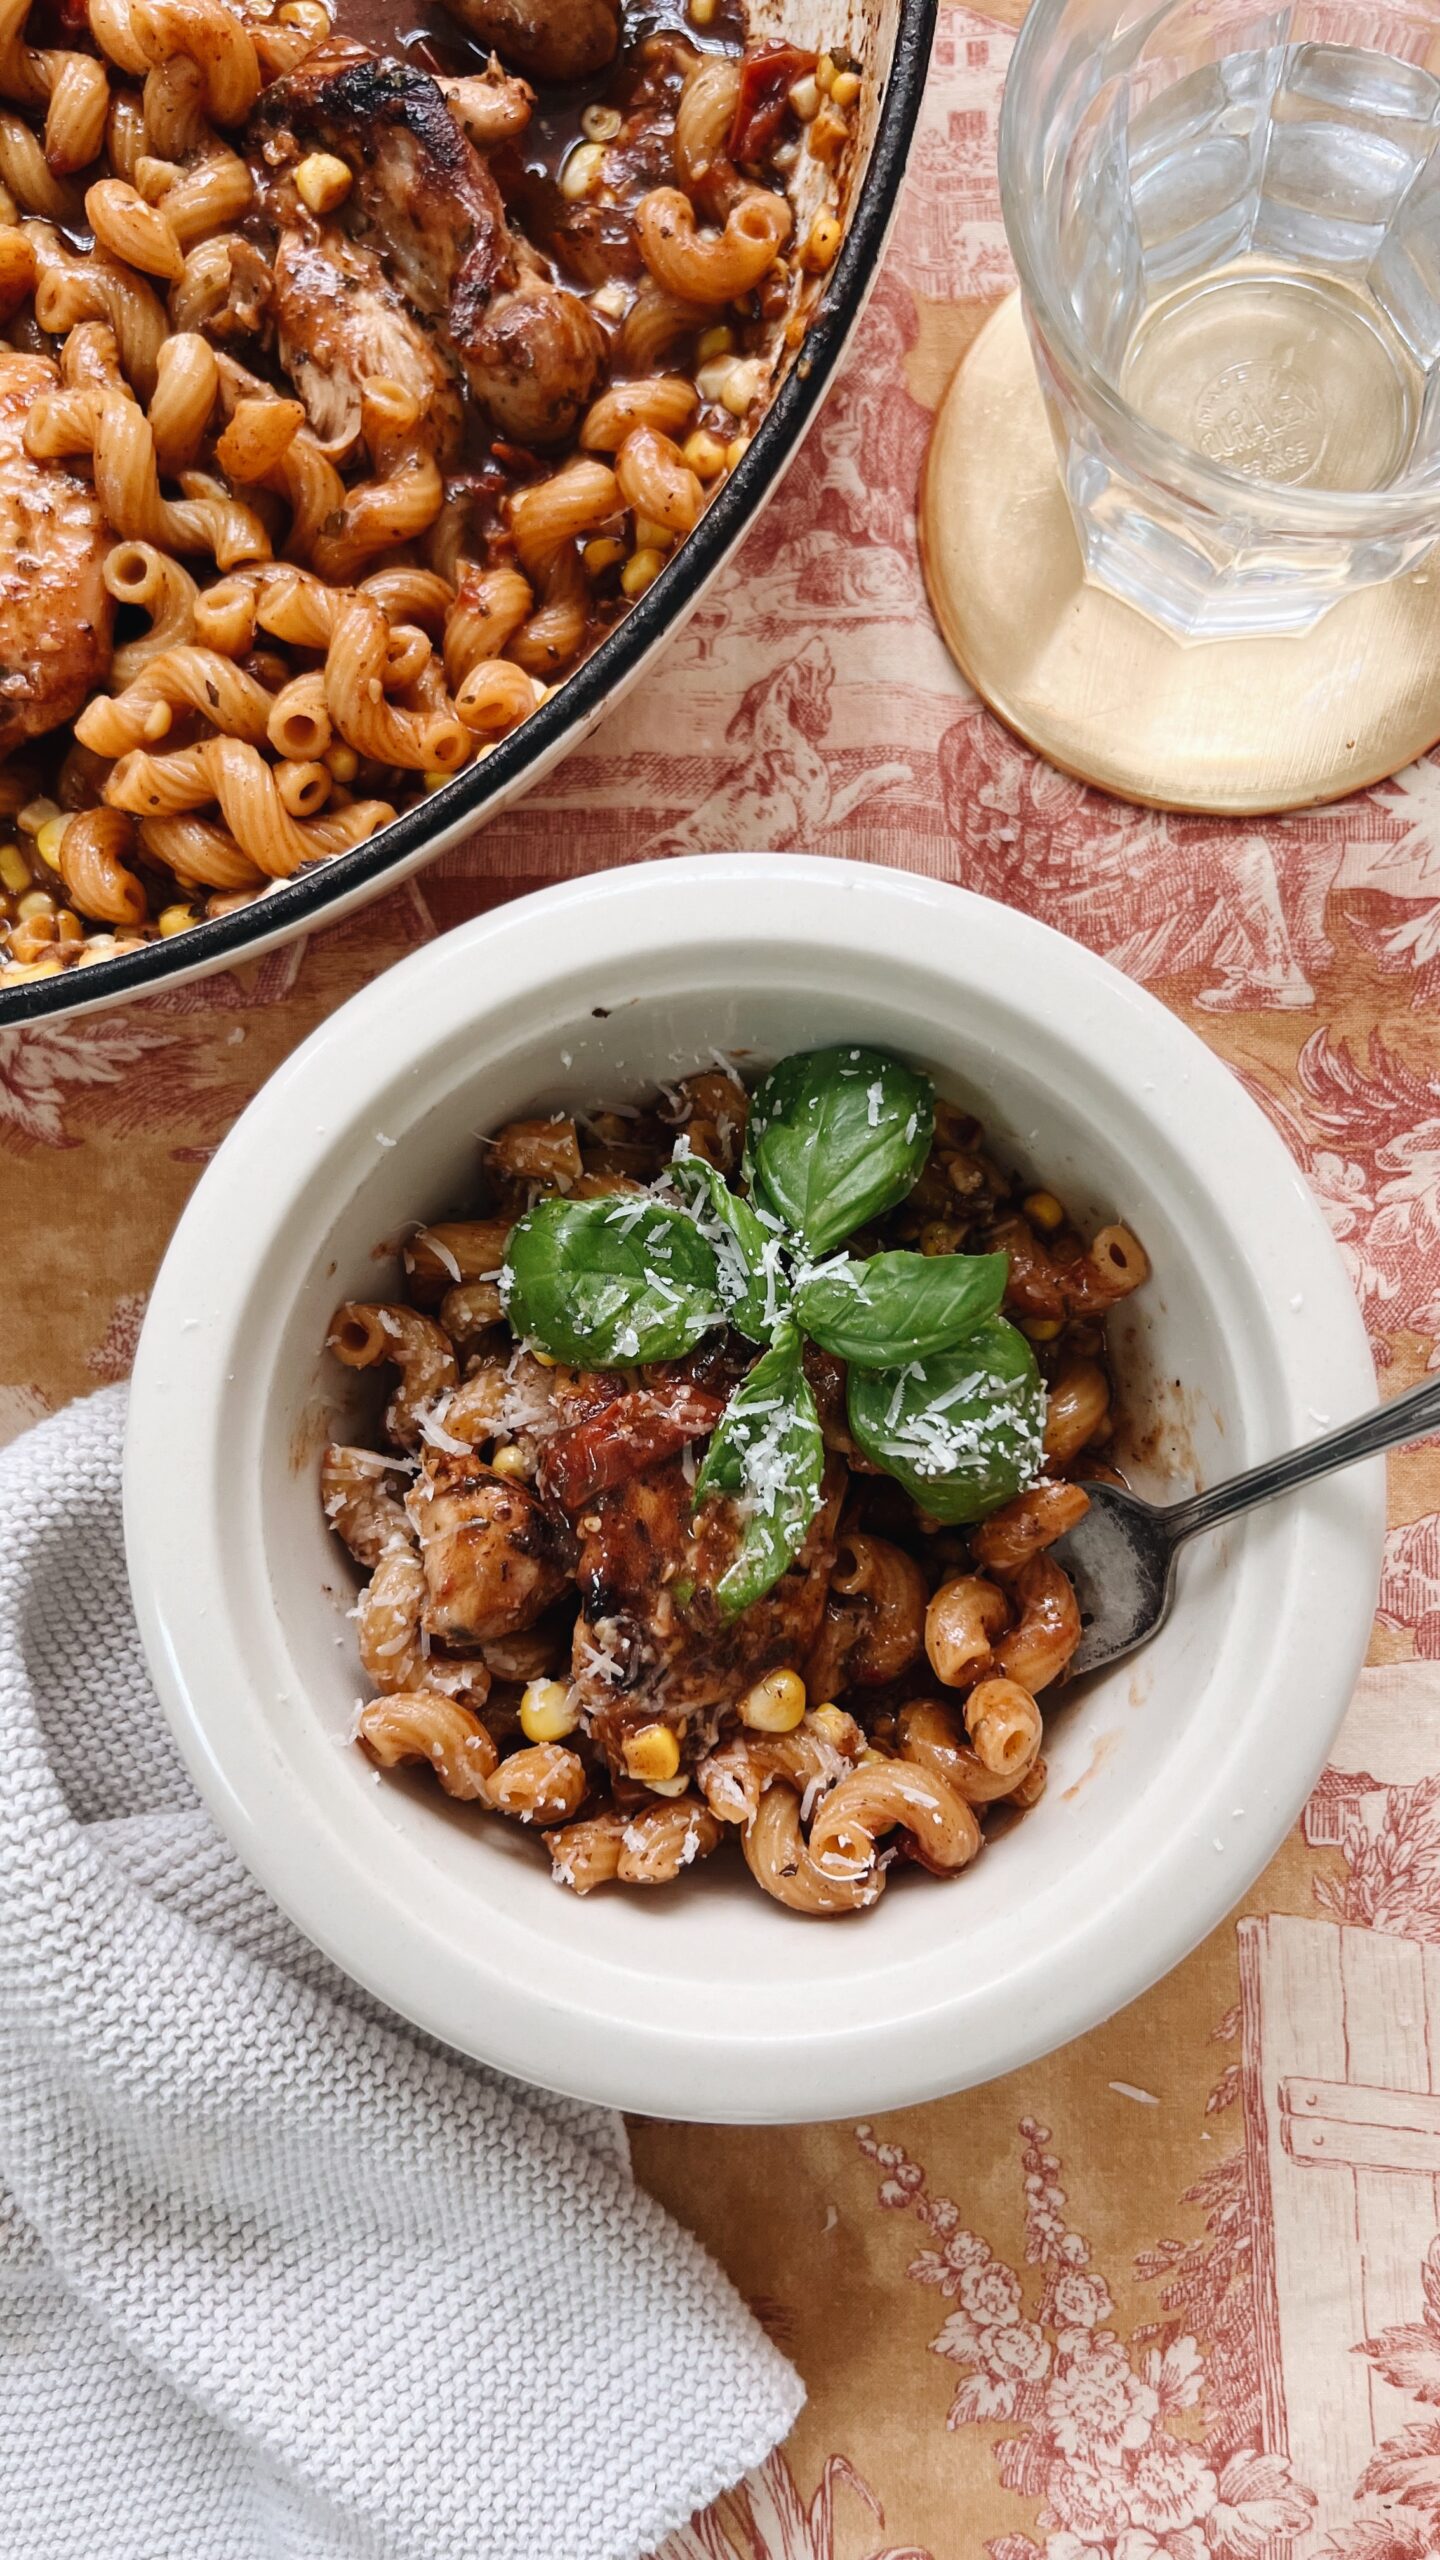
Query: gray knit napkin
[[279, 2278]]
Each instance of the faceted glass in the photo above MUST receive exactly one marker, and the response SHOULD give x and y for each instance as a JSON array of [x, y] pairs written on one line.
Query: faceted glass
[[1226, 221]]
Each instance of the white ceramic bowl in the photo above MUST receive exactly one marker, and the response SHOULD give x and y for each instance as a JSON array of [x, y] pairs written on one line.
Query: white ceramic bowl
[[1172, 1780]]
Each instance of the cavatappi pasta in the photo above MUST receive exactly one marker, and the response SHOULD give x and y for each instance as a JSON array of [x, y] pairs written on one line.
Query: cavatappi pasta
[[354, 380], [539, 1622]]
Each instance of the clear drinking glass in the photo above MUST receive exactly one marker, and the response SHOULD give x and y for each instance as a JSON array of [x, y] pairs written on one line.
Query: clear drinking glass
[[1226, 221]]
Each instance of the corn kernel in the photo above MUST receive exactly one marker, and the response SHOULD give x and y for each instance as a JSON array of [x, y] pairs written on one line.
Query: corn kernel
[[605, 552], [68, 927], [546, 1359], [701, 13], [670, 1786], [736, 450], [805, 98], [581, 173], [704, 453], [826, 135], [775, 1704], [546, 1714], [742, 388], [36, 902], [1042, 1328], [48, 840], [177, 919], [822, 242], [711, 378], [600, 124], [1043, 1210], [342, 761], [641, 571], [830, 1722], [612, 299], [14, 870], [652, 1753], [304, 13], [34, 814], [845, 88], [825, 73], [650, 536], [322, 181], [434, 779], [870, 1758], [719, 341]]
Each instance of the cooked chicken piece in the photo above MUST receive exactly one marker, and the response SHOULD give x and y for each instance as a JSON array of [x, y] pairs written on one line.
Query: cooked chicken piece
[[425, 197], [421, 190], [55, 616], [549, 39], [495, 1558], [489, 106], [537, 360], [641, 1652], [341, 323]]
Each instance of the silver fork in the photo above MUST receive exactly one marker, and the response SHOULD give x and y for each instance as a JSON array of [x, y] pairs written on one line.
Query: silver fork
[[1121, 1556]]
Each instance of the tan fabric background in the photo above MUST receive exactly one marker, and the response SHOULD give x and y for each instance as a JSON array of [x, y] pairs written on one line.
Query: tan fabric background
[[1167, 2360]]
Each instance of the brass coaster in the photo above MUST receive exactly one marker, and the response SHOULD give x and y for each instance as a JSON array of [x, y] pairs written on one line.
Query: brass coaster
[[1232, 725]]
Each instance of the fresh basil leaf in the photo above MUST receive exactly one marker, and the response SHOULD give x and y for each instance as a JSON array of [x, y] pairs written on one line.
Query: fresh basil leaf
[[836, 1137], [753, 1287], [899, 1306], [767, 1454], [962, 1432], [603, 1283]]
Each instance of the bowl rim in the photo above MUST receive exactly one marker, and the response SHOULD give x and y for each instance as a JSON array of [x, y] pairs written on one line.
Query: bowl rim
[[178, 1560], [461, 805]]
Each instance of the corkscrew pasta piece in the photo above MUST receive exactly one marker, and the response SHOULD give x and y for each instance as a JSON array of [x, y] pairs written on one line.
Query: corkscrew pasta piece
[[1039, 1646], [96, 851], [540, 1785], [780, 1860], [928, 1734], [359, 1501], [714, 267], [656, 480], [212, 36], [419, 1724], [664, 401], [298, 720], [1004, 1725], [78, 110], [201, 853], [660, 1842], [962, 1623], [354, 675], [892, 1587], [128, 228], [1077, 1410], [438, 1258], [527, 1151], [734, 1776], [1025, 1527], [388, 1617], [553, 633], [553, 512], [186, 678], [71, 288], [137, 574], [365, 1335], [881, 1796], [587, 1853], [701, 144]]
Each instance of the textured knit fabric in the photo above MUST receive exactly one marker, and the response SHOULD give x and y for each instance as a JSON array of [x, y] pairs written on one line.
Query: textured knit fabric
[[279, 2279]]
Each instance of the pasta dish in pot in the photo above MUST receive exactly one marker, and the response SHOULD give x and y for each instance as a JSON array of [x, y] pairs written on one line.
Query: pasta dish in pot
[[352, 385]]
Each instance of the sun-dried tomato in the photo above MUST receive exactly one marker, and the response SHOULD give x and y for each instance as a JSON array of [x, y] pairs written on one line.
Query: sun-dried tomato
[[767, 77], [626, 1436]]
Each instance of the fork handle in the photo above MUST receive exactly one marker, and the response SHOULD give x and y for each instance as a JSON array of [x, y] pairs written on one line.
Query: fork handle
[[1412, 1416]]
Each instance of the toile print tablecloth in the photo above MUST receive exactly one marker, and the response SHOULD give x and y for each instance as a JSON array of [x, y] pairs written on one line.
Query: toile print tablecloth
[[1122, 2306]]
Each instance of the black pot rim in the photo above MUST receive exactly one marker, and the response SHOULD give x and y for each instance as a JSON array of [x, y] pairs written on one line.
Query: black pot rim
[[292, 905]]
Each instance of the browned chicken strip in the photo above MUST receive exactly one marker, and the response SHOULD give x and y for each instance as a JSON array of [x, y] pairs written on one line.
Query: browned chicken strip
[[650, 1642], [495, 1558], [549, 39], [55, 616], [341, 323], [427, 199]]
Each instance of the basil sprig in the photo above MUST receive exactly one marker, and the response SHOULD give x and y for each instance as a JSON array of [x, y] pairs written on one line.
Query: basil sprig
[[943, 1394], [962, 1432], [753, 1286], [768, 1456], [603, 1283], [898, 1306], [836, 1137]]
